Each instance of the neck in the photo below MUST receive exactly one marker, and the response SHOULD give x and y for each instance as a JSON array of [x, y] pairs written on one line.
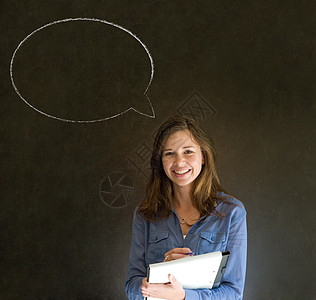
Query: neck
[[182, 196]]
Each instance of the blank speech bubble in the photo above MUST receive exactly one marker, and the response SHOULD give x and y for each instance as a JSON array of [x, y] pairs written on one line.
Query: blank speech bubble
[[83, 70]]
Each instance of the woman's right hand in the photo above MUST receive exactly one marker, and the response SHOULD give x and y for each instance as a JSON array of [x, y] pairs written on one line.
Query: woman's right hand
[[177, 253]]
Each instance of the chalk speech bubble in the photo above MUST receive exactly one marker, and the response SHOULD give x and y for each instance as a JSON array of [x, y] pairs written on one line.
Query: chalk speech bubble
[[67, 73]]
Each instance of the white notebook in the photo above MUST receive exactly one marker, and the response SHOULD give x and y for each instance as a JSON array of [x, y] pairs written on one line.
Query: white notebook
[[193, 272]]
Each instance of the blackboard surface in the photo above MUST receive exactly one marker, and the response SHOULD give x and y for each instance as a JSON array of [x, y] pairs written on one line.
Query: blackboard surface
[[244, 70]]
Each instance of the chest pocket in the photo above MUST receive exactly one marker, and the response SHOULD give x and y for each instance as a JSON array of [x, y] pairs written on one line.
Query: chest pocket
[[212, 241], [157, 246]]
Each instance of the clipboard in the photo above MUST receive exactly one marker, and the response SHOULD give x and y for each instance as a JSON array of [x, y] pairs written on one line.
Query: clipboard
[[193, 272]]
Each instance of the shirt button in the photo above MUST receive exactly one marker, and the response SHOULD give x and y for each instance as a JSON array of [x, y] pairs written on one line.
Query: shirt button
[[212, 238]]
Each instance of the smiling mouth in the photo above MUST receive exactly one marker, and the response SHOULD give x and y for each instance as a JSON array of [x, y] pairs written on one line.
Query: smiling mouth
[[181, 172]]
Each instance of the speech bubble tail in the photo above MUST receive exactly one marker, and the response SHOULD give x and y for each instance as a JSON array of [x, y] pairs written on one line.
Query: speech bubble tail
[[144, 108]]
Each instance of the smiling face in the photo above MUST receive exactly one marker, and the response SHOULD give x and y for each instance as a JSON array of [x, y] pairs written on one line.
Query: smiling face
[[182, 158]]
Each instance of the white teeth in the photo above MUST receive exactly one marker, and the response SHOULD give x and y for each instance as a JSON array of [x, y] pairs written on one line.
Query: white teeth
[[180, 172]]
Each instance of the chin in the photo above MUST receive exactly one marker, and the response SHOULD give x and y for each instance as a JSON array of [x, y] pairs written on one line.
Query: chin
[[182, 184]]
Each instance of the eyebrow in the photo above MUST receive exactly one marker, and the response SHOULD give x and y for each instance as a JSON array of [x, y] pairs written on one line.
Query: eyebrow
[[186, 147]]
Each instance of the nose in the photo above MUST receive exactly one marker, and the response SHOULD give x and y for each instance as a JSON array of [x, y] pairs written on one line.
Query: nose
[[179, 160]]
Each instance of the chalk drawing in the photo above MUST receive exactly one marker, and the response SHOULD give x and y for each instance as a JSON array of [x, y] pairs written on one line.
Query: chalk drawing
[[116, 190], [152, 115]]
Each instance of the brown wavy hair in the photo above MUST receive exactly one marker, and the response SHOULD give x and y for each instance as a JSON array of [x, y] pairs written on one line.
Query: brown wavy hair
[[158, 203]]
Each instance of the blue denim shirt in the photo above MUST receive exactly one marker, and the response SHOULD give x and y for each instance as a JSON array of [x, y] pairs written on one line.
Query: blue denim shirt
[[151, 240]]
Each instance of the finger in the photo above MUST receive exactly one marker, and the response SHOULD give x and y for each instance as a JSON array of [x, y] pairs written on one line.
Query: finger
[[156, 288], [146, 294], [174, 256], [172, 279], [145, 283], [178, 250], [145, 291]]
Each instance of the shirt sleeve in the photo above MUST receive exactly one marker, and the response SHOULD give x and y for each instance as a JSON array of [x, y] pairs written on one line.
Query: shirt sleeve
[[137, 266], [233, 280]]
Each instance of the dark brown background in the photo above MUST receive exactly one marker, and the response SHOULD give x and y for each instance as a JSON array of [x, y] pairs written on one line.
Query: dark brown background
[[248, 64]]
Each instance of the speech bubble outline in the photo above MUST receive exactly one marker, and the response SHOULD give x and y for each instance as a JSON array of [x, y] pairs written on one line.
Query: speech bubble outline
[[85, 121]]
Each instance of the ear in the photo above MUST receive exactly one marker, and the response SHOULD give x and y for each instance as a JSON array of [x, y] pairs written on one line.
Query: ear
[[203, 156]]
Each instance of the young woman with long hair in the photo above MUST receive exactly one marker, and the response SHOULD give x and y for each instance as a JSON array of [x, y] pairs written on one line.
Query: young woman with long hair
[[186, 210]]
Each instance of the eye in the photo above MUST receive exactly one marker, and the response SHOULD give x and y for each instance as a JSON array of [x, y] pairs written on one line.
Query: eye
[[188, 151], [168, 153]]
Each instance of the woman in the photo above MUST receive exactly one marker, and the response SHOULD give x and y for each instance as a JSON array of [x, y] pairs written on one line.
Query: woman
[[186, 211]]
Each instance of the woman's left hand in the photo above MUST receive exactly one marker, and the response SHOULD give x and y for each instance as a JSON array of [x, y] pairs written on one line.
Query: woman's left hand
[[171, 290]]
